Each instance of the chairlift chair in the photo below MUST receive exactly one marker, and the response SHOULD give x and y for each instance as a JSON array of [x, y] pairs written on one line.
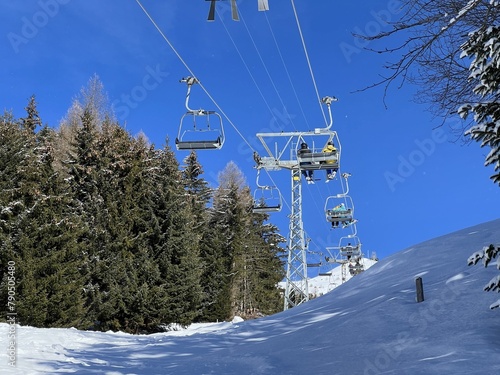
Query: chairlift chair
[[266, 198], [350, 247], [342, 212], [356, 268], [195, 130], [315, 159], [350, 251]]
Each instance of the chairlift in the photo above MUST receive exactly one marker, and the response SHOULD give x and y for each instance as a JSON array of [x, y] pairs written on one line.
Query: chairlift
[[339, 214], [356, 268], [350, 251], [195, 130], [313, 158], [266, 198], [350, 247]]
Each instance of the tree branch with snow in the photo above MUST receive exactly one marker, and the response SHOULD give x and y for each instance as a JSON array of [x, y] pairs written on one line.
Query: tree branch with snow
[[487, 254]]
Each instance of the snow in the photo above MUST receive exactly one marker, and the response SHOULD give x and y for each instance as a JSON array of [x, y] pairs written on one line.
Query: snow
[[369, 325], [326, 282]]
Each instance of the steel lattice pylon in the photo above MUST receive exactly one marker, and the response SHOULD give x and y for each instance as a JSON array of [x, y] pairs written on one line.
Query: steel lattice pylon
[[296, 290], [285, 156]]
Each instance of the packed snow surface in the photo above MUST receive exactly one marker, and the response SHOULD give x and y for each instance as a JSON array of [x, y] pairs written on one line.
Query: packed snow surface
[[369, 325]]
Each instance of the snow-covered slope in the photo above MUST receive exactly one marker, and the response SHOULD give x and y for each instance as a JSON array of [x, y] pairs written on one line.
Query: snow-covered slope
[[370, 325]]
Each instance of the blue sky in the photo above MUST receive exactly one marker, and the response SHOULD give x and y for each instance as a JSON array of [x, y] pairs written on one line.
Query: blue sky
[[411, 181]]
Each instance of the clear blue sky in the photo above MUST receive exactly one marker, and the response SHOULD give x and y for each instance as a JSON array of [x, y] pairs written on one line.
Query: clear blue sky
[[410, 182]]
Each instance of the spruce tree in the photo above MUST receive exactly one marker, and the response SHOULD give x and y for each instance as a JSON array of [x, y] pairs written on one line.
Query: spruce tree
[[242, 254], [41, 238], [176, 250]]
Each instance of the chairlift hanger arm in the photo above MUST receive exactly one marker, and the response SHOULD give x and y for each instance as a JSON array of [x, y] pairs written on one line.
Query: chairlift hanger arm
[[190, 81], [234, 10], [327, 100], [345, 175]]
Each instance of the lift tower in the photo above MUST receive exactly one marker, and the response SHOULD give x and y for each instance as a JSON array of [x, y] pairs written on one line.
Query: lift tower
[[285, 156]]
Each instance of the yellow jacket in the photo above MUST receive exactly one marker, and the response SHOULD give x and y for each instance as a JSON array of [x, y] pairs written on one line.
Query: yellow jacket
[[329, 148]]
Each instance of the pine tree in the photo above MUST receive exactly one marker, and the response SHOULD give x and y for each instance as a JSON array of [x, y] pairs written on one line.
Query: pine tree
[[242, 254], [266, 266], [198, 195], [32, 120], [176, 248], [41, 238]]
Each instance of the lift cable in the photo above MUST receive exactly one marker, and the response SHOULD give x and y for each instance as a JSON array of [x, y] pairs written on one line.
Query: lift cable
[[308, 60], [191, 72], [265, 67], [199, 83], [248, 69], [286, 71]]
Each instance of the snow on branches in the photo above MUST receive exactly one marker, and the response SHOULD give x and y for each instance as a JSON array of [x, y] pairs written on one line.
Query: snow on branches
[[483, 48], [487, 255]]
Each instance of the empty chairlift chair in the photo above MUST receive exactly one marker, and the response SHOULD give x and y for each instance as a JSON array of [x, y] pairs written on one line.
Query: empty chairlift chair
[[196, 131], [266, 198]]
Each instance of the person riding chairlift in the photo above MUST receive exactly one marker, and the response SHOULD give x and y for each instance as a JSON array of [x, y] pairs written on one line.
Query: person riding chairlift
[[330, 172], [308, 174]]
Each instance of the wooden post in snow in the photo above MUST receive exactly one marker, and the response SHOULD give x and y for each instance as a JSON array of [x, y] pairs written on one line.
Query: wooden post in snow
[[420, 289]]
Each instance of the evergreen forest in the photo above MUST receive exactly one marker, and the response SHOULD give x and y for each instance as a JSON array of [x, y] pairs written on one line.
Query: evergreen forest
[[104, 231]]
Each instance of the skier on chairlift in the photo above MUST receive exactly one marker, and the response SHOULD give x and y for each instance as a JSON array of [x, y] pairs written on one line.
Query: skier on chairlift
[[330, 172], [308, 174]]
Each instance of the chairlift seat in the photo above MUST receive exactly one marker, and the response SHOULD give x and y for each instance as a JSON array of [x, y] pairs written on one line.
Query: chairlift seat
[[198, 144], [313, 265], [318, 160], [340, 216], [350, 251], [260, 209]]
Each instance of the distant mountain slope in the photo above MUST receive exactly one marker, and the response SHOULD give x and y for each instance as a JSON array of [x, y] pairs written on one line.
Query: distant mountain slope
[[327, 281]]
